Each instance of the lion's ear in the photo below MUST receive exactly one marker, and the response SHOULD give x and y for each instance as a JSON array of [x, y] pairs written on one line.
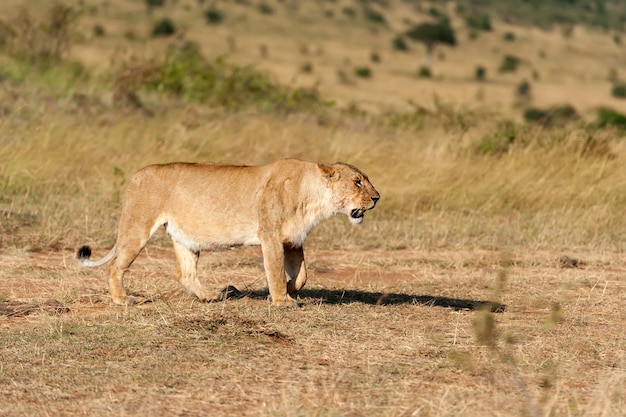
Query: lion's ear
[[328, 171]]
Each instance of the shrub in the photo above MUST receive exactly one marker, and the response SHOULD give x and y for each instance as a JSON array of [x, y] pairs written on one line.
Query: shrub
[[98, 30], [399, 44], [306, 68], [213, 16], [349, 12], [563, 114], [619, 90], [480, 73], [556, 116], [509, 63], [265, 8], [373, 16], [155, 3], [500, 142], [610, 118], [509, 36], [493, 145], [523, 90], [424, 72], [39, 42], [187, 73], [164, 27], [375, 57], [431, 34], [536, 115], [480, 21], [363, 72]]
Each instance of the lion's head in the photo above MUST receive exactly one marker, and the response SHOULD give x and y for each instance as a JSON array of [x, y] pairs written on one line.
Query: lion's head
[[352, 191]]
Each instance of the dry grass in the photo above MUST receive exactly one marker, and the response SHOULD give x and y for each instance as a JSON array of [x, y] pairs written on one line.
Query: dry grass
[[340, 354], [391, 323], [436, 192]]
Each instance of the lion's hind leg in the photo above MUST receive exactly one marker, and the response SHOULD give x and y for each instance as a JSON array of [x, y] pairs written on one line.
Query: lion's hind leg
[[187, 269]]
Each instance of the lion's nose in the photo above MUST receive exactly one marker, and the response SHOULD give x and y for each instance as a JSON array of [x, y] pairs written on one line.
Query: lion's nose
[[375, 198]]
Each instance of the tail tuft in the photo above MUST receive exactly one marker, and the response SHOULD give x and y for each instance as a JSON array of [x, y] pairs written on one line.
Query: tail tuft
[[83, 253]]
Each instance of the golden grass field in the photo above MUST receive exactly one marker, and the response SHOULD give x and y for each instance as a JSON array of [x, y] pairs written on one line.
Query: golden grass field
[[395, 318]]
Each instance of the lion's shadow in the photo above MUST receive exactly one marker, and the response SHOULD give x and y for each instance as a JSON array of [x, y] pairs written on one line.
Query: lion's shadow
[[328, 296]]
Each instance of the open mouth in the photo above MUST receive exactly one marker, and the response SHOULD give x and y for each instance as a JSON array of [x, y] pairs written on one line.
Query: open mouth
[[357, 213]]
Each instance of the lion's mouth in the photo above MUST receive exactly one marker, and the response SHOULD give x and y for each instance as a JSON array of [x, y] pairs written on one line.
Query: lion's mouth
[[357, 213]]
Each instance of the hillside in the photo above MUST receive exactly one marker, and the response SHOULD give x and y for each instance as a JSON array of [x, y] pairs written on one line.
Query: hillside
[[325, 44]]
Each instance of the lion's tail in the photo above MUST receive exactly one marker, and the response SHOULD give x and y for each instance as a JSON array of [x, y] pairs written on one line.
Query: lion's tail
[[84, 253]]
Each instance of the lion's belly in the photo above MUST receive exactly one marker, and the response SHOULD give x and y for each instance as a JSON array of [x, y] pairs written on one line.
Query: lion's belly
[[205, 237]]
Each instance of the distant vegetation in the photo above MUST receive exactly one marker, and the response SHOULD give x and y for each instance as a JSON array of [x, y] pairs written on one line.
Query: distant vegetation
[[619, 90], [184, 73], [188, 74], [164, 27], [557, 116], [432, 34], [606, 14]]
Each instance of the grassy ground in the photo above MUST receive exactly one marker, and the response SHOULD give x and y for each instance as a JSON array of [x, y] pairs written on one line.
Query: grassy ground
[[375, 336], [474, 208]]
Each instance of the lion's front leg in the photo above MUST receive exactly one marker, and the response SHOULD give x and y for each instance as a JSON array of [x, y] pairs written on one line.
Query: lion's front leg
[[295, 268], [273, 261]]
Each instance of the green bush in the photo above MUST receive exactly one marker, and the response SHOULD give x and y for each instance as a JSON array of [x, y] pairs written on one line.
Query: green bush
[[373, 16], [187, 73], [363, 72], [155, 3], [480, 73], [424, 72], [164, 27], [213, 16], [399, 44], [563, 114], [306, 68], [500, 142], [349, 12], [556, 116], [610, 118], [480, 21], [98, 30], [619, 90], [375, 57], [509, 36], [535, 115], [523, 90], [265, 8], [509, 63]]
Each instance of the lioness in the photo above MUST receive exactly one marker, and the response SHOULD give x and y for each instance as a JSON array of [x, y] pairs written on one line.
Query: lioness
[[203, 206]]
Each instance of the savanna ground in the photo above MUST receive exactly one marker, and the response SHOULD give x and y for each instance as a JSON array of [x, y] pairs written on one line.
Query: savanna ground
[[449, 300]]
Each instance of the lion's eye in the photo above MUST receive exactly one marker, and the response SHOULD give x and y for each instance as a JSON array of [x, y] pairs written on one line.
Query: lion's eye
[[357, 182]]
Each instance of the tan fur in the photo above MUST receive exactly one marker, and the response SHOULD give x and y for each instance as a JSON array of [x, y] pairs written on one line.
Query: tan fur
[[204, 206]]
